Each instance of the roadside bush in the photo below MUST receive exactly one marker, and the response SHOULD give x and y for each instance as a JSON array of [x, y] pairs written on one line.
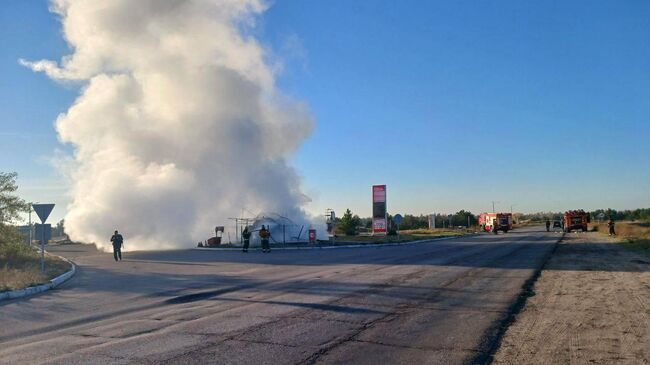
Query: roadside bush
[[20, 267], [15, 255], [9, 234]]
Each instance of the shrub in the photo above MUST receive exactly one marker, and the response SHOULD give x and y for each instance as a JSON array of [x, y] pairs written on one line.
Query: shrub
[[9, 234]]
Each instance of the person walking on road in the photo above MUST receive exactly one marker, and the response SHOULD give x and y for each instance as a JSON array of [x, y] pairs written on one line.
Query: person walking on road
[[247, 239], [117, 241], [264, 235], [610, 224], [548, 225]]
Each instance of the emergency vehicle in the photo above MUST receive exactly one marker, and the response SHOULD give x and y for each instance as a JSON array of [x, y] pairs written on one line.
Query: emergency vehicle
[[502, 221], [575, 219]]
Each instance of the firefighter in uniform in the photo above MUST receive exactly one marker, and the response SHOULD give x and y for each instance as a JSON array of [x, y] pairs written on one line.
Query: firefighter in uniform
[[264, 235], [117, 241], [247, 239], [610, 224], [548, 225]]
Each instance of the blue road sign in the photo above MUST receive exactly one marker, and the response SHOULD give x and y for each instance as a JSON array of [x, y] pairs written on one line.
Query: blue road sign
[[397, 218], [45, 236], [43, 210]]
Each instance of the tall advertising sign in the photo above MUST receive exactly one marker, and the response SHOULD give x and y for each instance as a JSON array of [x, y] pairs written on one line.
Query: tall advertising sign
[[379, 221]]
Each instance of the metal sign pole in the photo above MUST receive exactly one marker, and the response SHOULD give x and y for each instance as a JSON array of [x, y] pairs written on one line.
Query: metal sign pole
[[43, 247], [397, 232]]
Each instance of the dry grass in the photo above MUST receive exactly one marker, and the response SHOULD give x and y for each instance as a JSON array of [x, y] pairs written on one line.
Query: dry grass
[[20, 267], [635, 235]]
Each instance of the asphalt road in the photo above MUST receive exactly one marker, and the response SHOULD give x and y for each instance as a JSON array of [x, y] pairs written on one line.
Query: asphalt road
[[437, 302]]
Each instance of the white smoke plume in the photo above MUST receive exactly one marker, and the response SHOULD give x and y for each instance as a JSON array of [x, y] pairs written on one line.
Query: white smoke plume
[[179, 125]]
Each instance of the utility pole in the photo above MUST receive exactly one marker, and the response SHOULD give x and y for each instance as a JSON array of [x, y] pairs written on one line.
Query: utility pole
[[493, 210]]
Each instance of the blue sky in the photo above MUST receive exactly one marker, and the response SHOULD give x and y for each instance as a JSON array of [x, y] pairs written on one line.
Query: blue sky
[[454, 104]]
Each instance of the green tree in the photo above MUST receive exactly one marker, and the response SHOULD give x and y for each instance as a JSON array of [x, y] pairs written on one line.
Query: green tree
[[410, 221], [461, 218], [60, 228], [348, 223], [10, 207]]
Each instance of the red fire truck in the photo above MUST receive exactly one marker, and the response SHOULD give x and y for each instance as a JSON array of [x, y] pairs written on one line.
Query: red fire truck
[[494, 222], [575, 219]]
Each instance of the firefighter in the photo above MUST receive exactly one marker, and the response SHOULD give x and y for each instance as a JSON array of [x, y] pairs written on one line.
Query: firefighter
[[247, 239], [548, 225], [117, 241], [264, 235], [610, 224], [495, 227]]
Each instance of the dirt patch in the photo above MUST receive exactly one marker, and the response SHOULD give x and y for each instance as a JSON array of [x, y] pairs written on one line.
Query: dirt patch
[[591, 304]]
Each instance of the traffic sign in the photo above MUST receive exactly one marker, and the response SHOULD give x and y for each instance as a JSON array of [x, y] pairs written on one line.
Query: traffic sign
[[45, 236], [397, 218], [43, 211]]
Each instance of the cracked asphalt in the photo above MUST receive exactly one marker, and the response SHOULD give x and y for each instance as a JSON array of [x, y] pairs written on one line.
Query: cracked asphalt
[[428, 303]]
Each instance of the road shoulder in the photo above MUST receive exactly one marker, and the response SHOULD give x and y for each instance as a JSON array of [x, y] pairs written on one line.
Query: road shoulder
[[591, 304]]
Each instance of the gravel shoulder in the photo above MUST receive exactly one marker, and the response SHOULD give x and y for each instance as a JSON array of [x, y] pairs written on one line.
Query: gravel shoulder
[[591, 304]]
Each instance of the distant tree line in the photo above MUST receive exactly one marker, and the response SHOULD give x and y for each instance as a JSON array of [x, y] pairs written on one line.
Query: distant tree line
[[459, 218], [352, 224], [641, 214], [539, 216]]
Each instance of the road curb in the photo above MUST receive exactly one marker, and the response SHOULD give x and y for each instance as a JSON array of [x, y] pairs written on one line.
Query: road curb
[[369, 245], [21, 293]]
